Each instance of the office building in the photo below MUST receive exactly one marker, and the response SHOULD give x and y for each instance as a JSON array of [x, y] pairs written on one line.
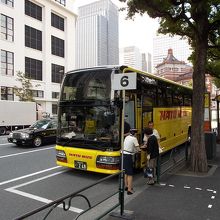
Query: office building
[[37, 38], [97, 36], [131, 56]]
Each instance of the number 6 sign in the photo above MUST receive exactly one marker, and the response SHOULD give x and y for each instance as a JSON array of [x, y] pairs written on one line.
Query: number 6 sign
[[125, 81]]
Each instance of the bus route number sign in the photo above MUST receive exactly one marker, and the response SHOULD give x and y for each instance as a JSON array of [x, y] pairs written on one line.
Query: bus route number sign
[[124, 81]]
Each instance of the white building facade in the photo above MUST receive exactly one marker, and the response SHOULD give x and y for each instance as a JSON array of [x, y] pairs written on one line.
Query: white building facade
[[97, 35], [38, 39], [162, 43]]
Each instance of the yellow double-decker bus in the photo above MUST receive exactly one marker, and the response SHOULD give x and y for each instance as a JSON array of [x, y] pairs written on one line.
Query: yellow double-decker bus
[[90, 116]]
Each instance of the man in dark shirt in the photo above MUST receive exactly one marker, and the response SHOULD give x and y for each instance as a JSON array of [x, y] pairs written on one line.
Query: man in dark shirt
[[152, 153]]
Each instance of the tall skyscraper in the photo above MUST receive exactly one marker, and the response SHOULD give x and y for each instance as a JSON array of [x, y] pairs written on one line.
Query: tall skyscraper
[[162, 43], [97, 35], [131, 56], [37, 38]]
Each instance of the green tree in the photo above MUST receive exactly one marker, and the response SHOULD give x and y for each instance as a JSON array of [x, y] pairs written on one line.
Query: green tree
[[25, 91], [199, 22]]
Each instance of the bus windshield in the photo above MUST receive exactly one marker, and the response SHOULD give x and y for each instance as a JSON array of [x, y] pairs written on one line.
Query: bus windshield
[[86, 115], [87, 85], [89, 124]]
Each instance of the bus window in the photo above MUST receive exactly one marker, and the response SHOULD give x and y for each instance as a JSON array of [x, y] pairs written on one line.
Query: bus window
[[86, 85], [96, 89], [130, 109], [161, 97], [169, 99], [177, 97], [187, 100]]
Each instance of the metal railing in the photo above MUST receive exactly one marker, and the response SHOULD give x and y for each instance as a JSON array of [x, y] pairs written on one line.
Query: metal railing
[[67, 200], [171, 159]]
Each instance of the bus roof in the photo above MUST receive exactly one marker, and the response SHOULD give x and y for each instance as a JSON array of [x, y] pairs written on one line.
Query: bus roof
[[125, 68]]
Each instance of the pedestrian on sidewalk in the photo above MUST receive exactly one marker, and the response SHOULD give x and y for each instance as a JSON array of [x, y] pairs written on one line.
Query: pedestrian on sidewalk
[[152, 148], [131, 146], [155, 133]]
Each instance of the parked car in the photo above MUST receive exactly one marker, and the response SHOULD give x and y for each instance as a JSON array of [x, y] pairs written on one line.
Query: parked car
[[41, 132]]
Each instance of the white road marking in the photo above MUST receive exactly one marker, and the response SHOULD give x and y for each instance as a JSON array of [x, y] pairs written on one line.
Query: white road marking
[[210, 190], [26, 152], [41, 199], [39, 179], [38, 198], [163, 184], [28, 175], [6, 144], [198, 188]]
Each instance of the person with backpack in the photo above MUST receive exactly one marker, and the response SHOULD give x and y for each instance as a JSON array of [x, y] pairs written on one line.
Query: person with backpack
[[152, 149]]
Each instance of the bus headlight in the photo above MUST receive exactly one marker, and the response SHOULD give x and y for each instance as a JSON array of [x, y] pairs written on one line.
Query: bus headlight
[[108, 162], [61, 156]]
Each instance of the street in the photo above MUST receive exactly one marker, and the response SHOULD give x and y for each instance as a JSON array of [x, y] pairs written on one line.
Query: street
[[30, 178]]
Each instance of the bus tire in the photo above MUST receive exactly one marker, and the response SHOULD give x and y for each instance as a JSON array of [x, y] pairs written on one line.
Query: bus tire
[[37, 142], [2, 130]]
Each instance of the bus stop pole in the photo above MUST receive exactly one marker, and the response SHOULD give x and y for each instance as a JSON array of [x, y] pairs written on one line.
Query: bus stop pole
[[122, 155]]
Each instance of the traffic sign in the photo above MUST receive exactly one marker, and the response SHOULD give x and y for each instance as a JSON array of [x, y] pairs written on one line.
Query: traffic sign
[[124, 81]]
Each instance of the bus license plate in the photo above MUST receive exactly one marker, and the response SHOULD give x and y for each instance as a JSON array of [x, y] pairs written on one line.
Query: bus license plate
[[80, 165], [14, 141]]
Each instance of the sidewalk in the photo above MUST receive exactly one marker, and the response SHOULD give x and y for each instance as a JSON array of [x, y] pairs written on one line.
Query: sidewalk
[[181, 195]]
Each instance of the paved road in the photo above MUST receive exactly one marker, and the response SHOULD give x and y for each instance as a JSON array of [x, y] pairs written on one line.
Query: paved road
[[30, 178]]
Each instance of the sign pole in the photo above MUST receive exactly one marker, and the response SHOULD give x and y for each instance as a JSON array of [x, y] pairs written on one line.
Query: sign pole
[[123, 82], [122, 154]]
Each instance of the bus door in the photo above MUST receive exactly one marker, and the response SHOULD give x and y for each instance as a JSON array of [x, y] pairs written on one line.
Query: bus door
[[133, 115], [130, 109], [147, 115]]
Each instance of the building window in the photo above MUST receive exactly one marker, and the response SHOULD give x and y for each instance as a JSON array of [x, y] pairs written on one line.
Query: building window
[[7, 93], [57, 73], [37, 93], [57, 46], [62, 2], [7, 28], [33, 10], [33, 68], [8, 2], [33, 38], [7, 63], [57, 21], [54, 109], [55, 95]]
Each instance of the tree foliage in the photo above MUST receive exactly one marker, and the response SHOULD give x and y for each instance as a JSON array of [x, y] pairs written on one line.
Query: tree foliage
[[199, 22], [25, 91]]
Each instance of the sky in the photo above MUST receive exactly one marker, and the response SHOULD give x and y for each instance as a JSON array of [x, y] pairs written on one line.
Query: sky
[[138, 32]]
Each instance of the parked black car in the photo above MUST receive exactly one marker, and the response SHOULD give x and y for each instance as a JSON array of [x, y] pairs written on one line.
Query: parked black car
[[41, 132]]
